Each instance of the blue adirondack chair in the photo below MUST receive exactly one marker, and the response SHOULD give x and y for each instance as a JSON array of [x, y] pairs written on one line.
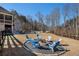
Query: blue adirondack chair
[[56, 46], [35, 43]]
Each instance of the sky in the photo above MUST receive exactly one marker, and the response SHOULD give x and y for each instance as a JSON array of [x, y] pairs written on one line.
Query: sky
[[32, 8]]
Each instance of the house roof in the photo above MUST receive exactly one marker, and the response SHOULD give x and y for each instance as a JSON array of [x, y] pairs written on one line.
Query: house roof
[[4, 10]]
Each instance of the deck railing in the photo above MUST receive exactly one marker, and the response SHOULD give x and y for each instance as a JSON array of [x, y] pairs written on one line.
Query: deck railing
[[1, 20], [8, 21]]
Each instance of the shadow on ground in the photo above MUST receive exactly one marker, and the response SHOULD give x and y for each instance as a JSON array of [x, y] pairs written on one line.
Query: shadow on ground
[[13, 48]]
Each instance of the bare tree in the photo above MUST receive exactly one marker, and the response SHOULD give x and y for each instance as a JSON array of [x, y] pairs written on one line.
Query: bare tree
[[66, 13], [40, 17], [31, 20], [55, 18], [76, 10], [48, 22]]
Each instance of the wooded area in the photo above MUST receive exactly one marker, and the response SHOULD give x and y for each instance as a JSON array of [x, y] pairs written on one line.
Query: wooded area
[[64, 22]]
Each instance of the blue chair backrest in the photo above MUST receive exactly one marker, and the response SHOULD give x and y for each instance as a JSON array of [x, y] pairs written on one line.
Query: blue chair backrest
[[35, 43]]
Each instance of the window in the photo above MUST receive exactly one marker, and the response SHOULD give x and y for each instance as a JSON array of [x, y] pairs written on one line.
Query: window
[[1, 16], [8, 17]]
